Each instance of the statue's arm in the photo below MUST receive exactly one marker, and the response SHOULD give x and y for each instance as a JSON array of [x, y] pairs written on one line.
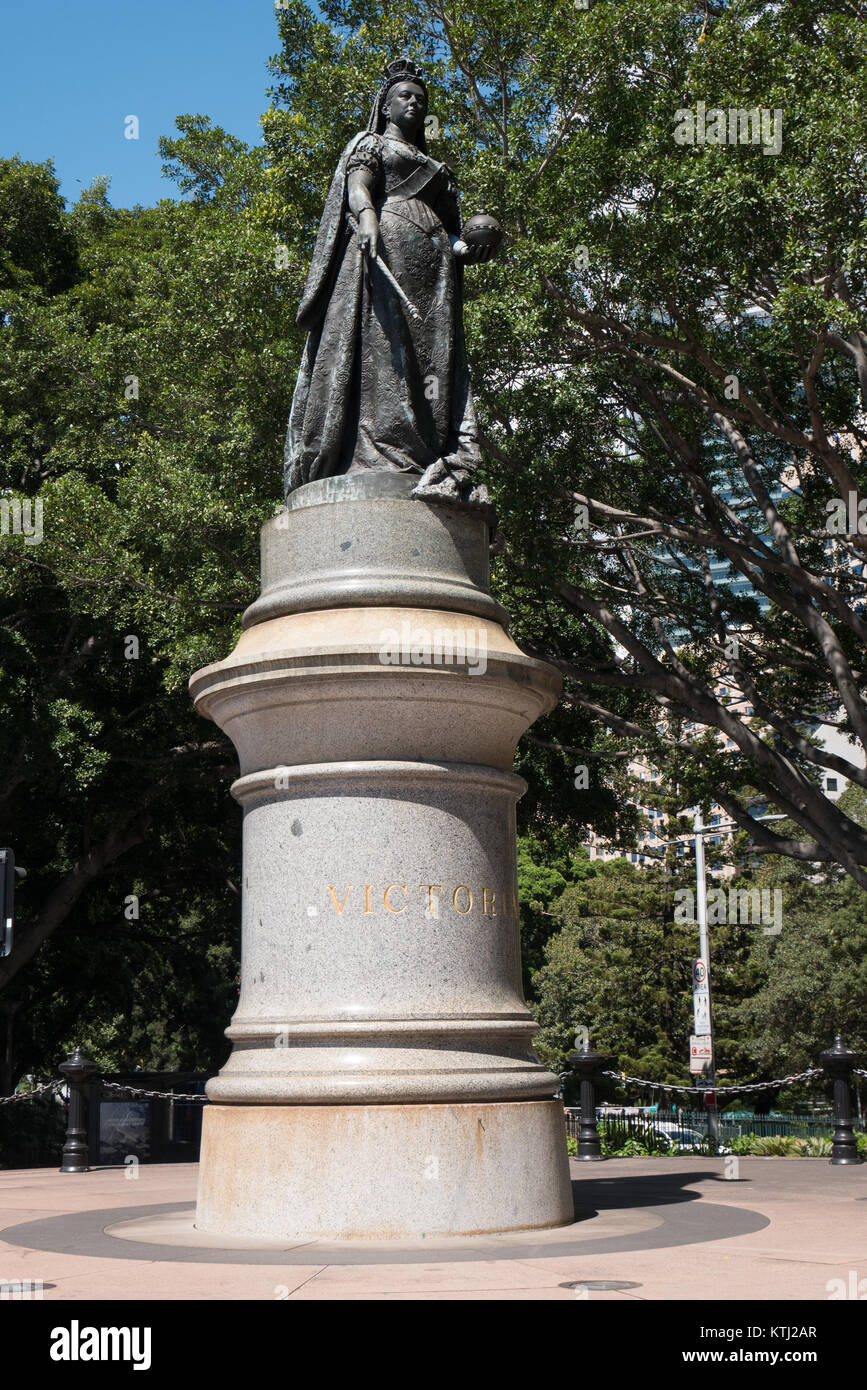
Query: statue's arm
[[449, 210], [448, 206], [361, 186]]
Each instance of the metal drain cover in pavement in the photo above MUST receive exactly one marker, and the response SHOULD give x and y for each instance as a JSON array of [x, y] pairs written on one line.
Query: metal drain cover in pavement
[[600, 1284]]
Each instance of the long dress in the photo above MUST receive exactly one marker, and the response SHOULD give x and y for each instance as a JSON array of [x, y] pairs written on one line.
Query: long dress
[[377, 387]]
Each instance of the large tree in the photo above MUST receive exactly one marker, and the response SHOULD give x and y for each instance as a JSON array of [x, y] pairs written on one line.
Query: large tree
[[145, 372], [670, 356]]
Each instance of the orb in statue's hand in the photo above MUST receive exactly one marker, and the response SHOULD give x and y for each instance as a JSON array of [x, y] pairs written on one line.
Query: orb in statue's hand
[[482, 230]]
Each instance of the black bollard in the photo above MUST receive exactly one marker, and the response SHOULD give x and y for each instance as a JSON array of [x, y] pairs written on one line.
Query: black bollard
[[588, 1064], [78, 1071], [838, 1062]]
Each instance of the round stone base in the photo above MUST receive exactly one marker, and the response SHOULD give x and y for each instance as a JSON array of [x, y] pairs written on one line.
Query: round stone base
[[382, 1172]]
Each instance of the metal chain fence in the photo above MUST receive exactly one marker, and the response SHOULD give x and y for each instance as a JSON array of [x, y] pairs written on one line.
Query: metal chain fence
[[30, 1095], [808, 1075], [104, 1086], [153, 1095], [751, 1086]]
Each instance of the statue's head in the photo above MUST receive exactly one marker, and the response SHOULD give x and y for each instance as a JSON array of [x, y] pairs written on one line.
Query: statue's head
[[402, 99], [405, 99]]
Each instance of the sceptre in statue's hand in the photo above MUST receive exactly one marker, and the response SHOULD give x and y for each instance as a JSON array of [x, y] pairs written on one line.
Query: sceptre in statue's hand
[[367, 242]]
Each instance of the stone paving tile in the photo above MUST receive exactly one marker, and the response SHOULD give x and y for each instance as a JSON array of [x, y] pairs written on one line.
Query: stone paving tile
[[340, 1279], [310, 1294], [817, 1233], [175, 1283]]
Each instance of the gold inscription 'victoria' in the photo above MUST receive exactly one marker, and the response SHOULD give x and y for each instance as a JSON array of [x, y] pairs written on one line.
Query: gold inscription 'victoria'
[[396, 898]]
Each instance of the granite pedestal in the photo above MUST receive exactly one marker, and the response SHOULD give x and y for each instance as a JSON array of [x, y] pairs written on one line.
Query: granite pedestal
[[381, 1081]]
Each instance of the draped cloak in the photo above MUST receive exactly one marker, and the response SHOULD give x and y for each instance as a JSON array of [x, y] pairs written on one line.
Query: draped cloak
[[378, 388]]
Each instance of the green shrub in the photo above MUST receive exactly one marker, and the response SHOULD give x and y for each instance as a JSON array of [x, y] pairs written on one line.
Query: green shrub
[[743, 1144], [815, 1146], [784, 1146], [775, 1146], [615, 1146]]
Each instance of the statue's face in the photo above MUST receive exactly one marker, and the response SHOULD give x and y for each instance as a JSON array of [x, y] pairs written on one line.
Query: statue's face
[[407, 106]]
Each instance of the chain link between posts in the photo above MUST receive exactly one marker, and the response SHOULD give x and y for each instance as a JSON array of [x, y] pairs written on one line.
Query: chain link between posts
[[105, 1086], [151, 1095], [809, 1075], [30, 1095]]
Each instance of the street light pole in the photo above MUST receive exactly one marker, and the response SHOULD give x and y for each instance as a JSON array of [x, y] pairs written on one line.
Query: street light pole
[[704, 955], [699, 830]]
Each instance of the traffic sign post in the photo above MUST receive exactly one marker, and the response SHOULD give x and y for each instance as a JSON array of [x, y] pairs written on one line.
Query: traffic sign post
[[701, 975], [700, 998], [701, 994]]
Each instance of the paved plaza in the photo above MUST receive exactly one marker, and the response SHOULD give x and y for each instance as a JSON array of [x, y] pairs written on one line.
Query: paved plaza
[[654, 1229]]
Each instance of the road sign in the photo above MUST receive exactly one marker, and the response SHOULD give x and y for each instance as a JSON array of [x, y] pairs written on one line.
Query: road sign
[[699, 977], [701, 1013], [700, 1052]]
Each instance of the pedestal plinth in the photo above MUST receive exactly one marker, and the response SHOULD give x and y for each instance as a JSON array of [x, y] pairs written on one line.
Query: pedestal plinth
[[381, 1080]]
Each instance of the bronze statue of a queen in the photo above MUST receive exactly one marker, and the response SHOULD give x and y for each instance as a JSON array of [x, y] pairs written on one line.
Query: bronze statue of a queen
[[383, 383]]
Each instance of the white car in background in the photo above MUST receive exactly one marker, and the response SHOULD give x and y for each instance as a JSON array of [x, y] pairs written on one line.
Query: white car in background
[[684, 1137]]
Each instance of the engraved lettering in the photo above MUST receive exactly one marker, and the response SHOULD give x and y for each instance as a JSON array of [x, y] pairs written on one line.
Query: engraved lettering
[[339, 906], [433, 904], [488, 893], [388, 905], [462, 888]]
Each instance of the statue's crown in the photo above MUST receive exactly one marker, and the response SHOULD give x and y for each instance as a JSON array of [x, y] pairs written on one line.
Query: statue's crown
[[400, 70]]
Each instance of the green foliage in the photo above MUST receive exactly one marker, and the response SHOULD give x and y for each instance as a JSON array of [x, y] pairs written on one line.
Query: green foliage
[[619, 965], [815, 1146], [37, 248], [785, 1146], [615, 1146], [548, 863], [32, 1132], [145, 380], [811, 979], [649, 1146], [771, 1146]]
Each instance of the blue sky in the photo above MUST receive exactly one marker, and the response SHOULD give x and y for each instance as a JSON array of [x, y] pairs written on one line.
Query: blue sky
[[73, 71]]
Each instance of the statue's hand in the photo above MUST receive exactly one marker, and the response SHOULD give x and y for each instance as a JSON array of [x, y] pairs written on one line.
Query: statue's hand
[[473, 255], [368, 233]]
